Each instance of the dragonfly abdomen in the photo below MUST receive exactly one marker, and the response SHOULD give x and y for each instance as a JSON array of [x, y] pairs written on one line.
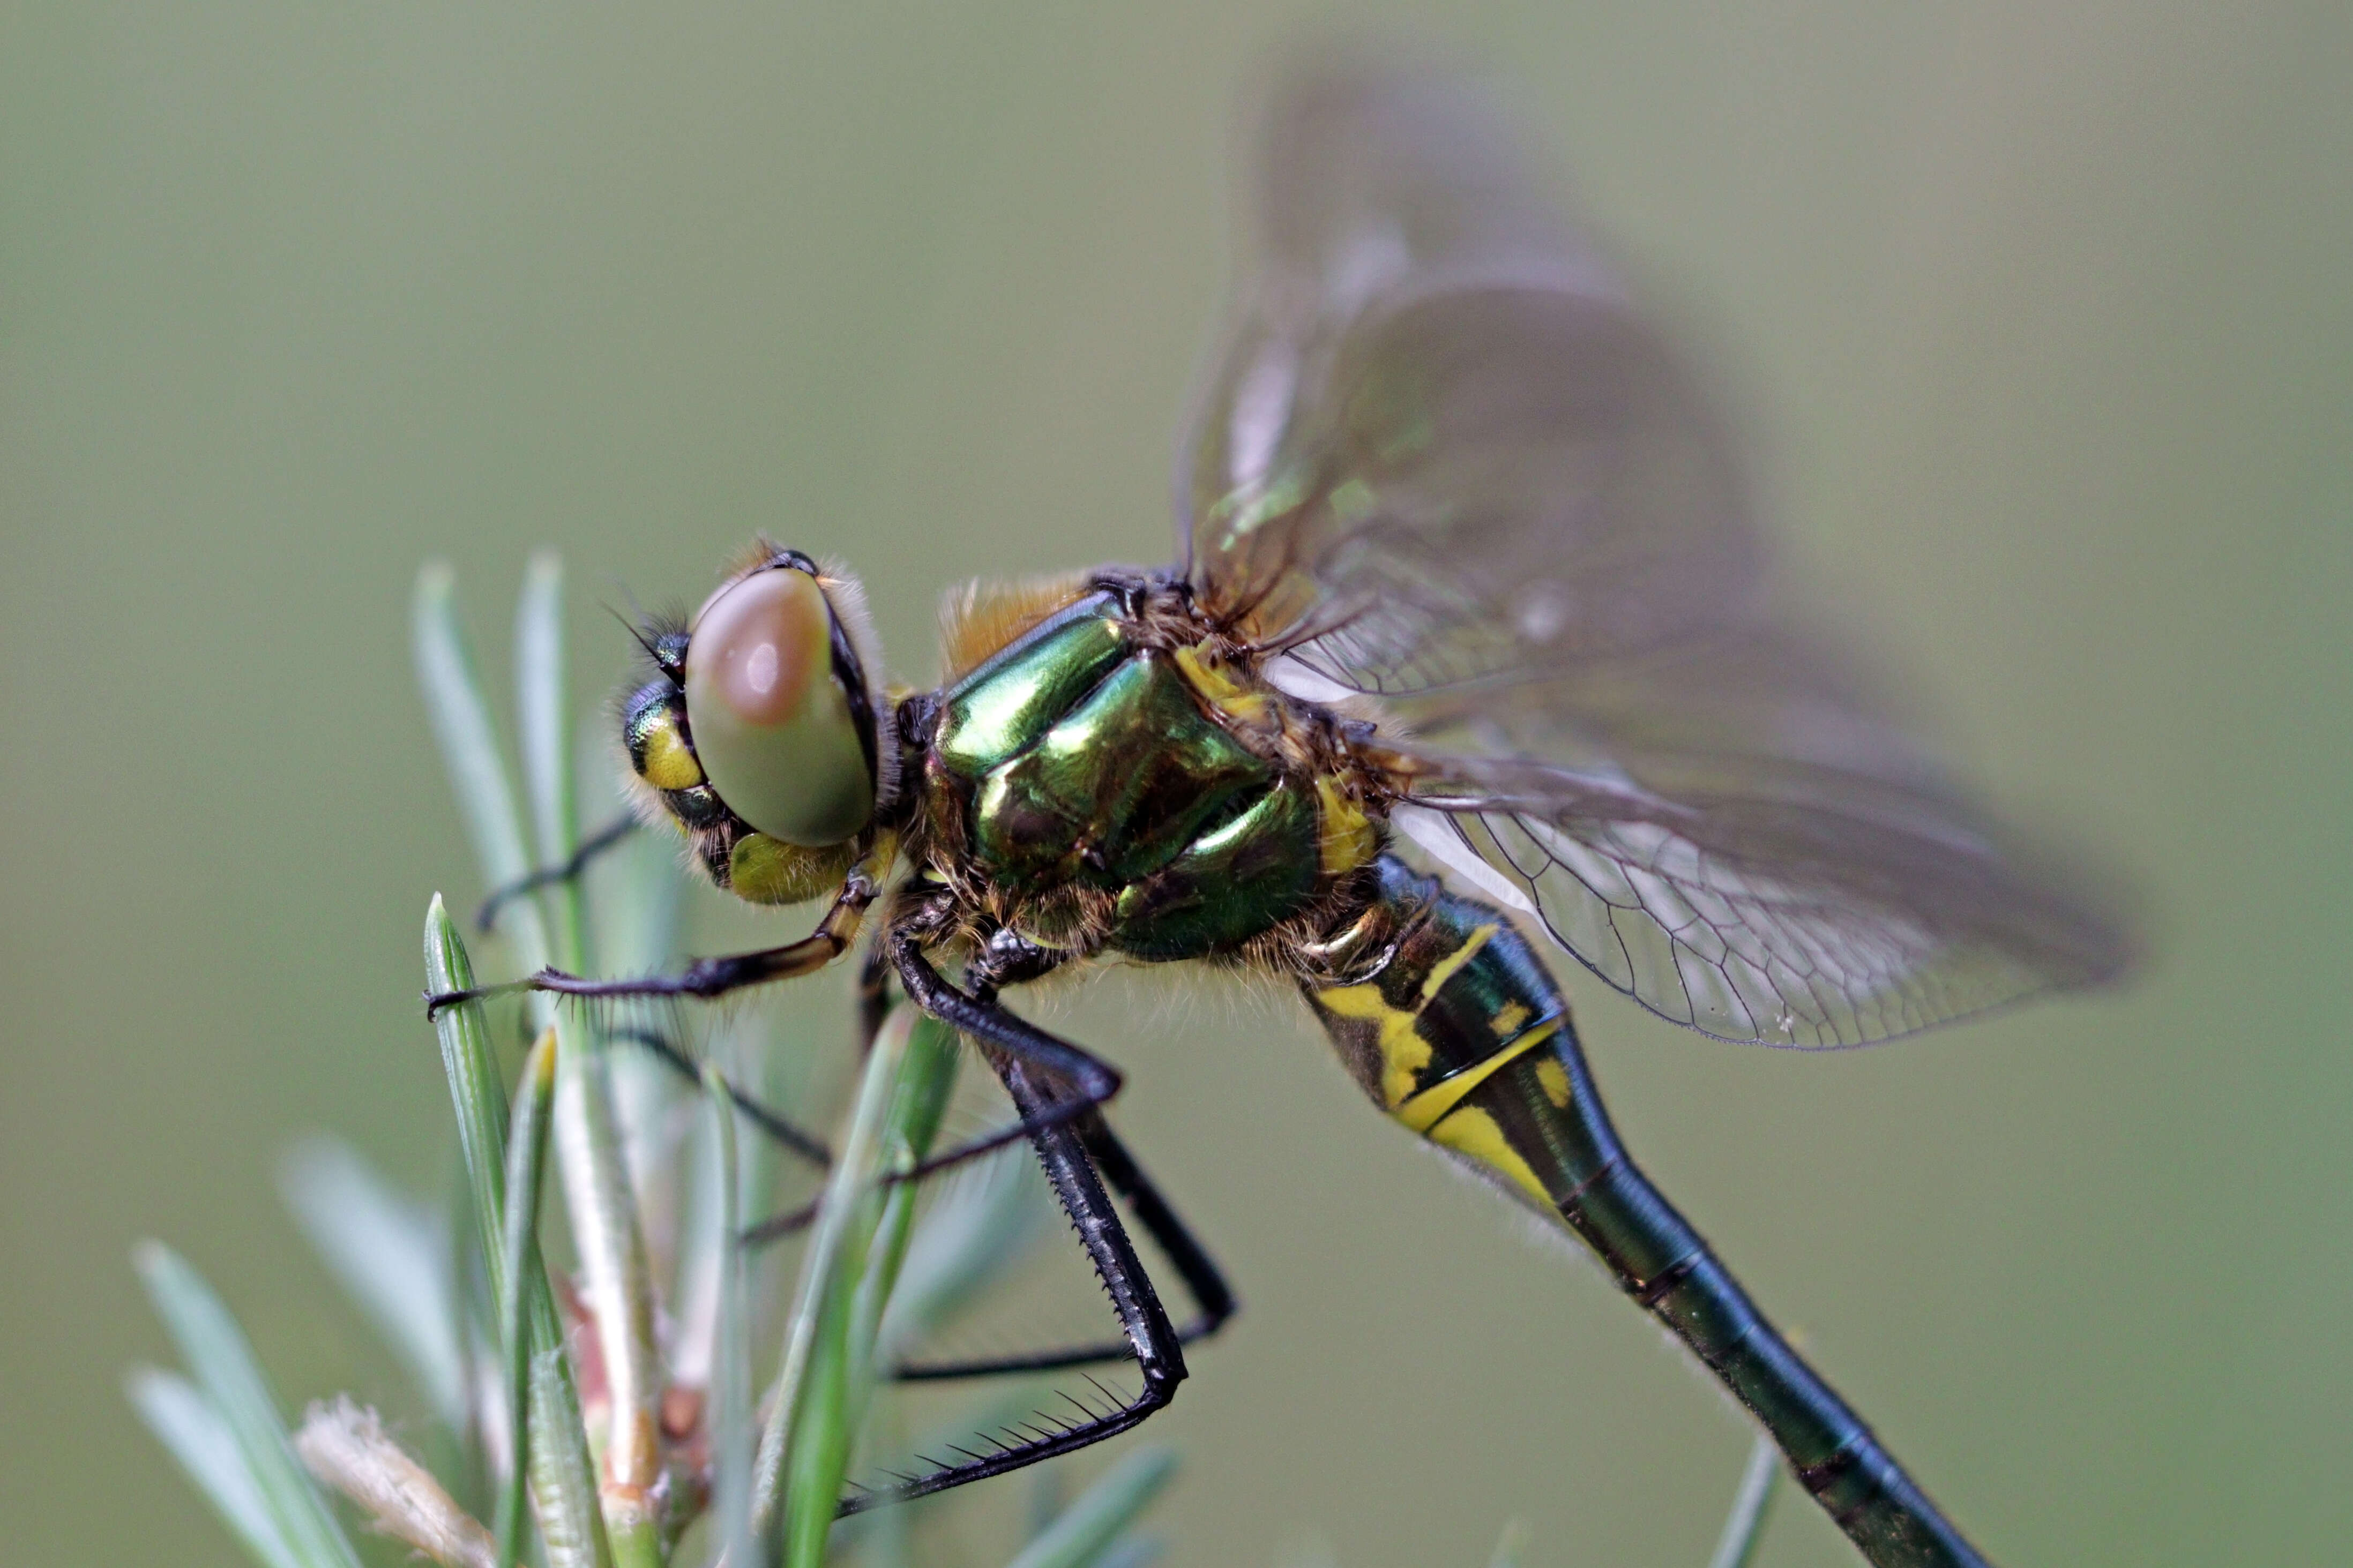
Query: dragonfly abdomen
[[1462, 1036]]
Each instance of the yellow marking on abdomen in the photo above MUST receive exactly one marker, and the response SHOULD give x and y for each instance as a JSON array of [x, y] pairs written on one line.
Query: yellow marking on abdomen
[[1553, 1078], [1403, 1053], [1425, 1109], [1508, 1019], [1474, 1134], [1447, 968]]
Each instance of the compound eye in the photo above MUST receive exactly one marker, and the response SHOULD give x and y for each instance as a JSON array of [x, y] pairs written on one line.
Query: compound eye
[[770, 721]]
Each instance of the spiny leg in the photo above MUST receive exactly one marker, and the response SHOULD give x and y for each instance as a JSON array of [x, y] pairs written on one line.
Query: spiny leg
[[1089, 1080], [595, 844], [1213, 1299], [1086, 1080], [1152, 1340], [708, 977]]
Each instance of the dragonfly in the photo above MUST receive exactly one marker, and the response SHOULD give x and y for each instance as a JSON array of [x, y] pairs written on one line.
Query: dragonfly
[[1469, 662]]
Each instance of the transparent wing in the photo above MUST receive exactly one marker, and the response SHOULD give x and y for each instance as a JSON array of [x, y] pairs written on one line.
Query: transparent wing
[[1445, 465], [1441, 447], [1727, 834]]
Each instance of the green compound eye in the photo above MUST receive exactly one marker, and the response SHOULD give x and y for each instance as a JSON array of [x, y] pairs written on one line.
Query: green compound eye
[[771, 725]]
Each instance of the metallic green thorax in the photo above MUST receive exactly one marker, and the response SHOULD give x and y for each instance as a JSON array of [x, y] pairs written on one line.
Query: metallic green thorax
[[1080, 762]]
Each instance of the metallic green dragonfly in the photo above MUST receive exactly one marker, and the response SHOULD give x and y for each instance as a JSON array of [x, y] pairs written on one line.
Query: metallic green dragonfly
[[1466, 661]]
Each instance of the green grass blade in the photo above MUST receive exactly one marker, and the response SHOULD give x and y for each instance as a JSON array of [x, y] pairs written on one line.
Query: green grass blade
[[469, 748], [392, 1258], [526, 1164], [981, 1229], [841, 1369], [1509, 1544], [1083, 1531], [926, 1081], [730, 1350], [563, 1482], [616, 1275], [222, 1365], [184, 1422], [540, 705], [1131, 1552], [913, 1064], [1746, 1525]]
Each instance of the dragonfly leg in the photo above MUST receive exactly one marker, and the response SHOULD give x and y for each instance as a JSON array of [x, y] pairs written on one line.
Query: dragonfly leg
[[595, 844], [1152, 1340], [808, 1145], [1086, 1080], [709, 977], [1213, 1299]]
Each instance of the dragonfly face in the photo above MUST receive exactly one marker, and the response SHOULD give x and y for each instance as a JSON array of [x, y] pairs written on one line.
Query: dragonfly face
[[759, 735], [1467, 574]]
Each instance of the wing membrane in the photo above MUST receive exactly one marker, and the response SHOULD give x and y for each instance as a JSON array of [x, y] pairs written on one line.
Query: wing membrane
[[1726, 834], [1446, 465], [1442, 447]]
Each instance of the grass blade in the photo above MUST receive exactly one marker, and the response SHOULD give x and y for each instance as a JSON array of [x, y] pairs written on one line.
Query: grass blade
[[222, 1363], [836, 1392], [1131, 1552], [1746, 1525], [540, 709], [616, 1278], [390, 1255], [804, 1436], [469, 748], [1509, 1544], [731, 1352], [1083, 1531], [980, 1230], [527, 1163], [184, 1422], [563, 1482]]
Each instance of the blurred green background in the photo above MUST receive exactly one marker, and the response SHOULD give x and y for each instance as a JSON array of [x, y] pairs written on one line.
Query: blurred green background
[[2042, 321]]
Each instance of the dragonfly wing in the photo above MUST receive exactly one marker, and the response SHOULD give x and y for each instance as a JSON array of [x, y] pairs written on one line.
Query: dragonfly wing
[[1441, 447], [1446, 465], [1729, 834]]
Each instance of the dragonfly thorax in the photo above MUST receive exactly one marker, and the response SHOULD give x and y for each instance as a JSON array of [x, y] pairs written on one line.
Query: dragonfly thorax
[[1100, 782]]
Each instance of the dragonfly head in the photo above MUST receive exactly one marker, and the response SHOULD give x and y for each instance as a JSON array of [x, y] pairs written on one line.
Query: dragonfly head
[[763, 717]]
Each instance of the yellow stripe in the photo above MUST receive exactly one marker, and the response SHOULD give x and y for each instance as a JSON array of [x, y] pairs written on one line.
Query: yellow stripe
[[1479, 1137], [1424, 1110], [1403, 1053], [1447, 968]]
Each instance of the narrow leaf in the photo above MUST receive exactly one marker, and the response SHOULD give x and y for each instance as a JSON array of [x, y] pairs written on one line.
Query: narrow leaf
[[1081, 1533], [1746, 1525], [978, 1231], [538, 692], [222, 1365], [616, 1278], [563, 1482], [527, 1163], [1131, 1552], [1509, 1544], [184, 1422], [391, 1256], [858, 1158], [470, 748], [730, 1350]]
